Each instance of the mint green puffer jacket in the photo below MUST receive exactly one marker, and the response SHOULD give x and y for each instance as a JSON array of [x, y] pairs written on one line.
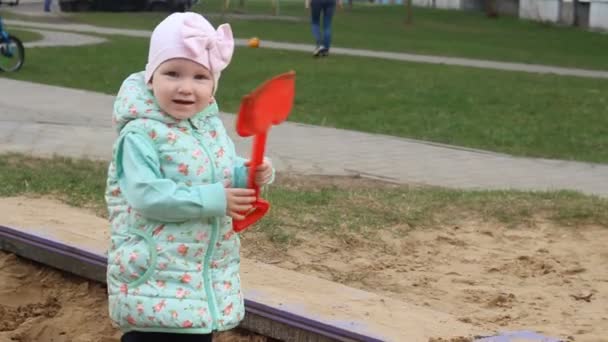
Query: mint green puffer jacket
[[173, 262]]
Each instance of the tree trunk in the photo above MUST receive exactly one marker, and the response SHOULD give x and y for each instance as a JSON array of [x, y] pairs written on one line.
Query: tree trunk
[[491, 10], [408, 18], [275, 7], [575, 13]]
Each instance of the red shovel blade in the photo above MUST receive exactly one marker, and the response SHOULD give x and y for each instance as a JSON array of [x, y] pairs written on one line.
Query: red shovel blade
[[267, 105], [260, 208]]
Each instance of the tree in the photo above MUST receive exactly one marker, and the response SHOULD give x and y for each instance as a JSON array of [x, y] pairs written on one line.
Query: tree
[[491, 10], [575, 13], [408, 18]]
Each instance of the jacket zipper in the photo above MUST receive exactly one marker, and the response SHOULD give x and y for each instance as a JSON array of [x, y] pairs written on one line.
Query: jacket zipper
[[214, 233]]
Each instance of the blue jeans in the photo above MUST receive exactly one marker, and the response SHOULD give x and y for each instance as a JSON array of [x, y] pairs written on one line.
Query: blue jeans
[[47, 5], [327, 8]]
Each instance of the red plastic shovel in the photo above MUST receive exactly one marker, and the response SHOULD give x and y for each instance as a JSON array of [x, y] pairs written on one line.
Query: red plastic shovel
[[267, 105]]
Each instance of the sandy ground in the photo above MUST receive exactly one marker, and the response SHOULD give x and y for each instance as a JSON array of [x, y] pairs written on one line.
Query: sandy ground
[[41, 304], [540, 277]]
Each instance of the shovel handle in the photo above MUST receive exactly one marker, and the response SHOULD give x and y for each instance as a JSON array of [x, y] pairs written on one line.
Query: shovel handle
[[260, 206], [257, 157]]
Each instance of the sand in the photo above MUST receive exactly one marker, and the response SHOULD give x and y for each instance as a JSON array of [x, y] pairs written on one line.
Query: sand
[[41, 304], [540, 277]]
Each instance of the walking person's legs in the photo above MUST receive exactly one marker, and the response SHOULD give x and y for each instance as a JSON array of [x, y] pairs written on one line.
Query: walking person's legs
[[315, 24], [47, 5], [329, 8]]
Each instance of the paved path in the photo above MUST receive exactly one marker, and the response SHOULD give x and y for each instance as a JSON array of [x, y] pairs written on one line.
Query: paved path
[[57, 38], [47, 120], [475, 63]]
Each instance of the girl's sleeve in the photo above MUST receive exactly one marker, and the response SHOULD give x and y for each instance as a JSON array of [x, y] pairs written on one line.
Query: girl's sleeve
[[241, 172], [156, 197]]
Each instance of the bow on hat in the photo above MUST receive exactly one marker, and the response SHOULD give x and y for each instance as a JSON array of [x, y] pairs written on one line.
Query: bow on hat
[[200, 39]]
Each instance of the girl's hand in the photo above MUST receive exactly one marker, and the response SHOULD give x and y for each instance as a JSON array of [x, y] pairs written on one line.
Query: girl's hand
[[263, 173], [238, 201]]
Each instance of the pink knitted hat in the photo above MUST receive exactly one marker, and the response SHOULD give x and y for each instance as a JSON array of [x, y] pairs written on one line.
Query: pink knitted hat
[[189, 35]]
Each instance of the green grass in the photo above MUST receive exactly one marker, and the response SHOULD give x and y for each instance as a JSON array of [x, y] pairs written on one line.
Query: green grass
[[438, 32], [25, 36], [517, 113], [79, 183], [367, 210], [329, 208]]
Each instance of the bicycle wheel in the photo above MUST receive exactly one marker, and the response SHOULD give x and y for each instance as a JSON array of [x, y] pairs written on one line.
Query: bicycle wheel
[[12, 54]]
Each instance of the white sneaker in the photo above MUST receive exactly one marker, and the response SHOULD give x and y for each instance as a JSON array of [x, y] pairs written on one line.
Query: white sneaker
[[318, 50]]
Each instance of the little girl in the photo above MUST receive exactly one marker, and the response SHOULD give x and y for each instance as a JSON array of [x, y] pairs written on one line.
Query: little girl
[[174, 186]]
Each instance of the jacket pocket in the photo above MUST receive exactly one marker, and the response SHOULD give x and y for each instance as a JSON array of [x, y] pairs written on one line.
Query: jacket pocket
[[135, 261]]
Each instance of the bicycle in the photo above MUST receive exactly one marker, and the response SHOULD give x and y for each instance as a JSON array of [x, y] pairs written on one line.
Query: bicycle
[[12, 52]]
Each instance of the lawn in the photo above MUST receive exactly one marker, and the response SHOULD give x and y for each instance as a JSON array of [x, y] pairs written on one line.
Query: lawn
[[437, 32], [517, 113], [331, 207], [26, 36]]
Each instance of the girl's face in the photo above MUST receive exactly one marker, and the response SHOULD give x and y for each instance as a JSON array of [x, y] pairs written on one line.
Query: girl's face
[[182, 87]]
